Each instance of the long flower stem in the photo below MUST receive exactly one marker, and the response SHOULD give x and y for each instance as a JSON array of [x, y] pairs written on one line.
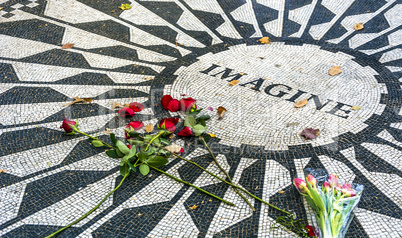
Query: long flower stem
[[231, 184], [192, 185], [227, 175], [92, 210], [94, 138], [150, 142]]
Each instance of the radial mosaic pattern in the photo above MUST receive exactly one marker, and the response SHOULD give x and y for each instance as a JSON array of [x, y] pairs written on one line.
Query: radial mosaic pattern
[[196, 47]]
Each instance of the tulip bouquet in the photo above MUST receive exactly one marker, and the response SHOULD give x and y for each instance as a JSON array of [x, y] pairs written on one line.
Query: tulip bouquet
[[332, 203]]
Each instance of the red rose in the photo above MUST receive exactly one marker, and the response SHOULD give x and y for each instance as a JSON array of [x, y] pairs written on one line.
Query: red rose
[[185, 132], [310, 230], [173, 105], [137, 107], [165, 101], [182, 150], [186, 104], [134, 125], [168, 124], [67, 125], [126, 112]]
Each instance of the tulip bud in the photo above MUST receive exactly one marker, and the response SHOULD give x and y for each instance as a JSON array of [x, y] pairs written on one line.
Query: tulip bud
[[326, 187], [312, 181], [348, 192], [333, 180], [347, 186], [300, 185]]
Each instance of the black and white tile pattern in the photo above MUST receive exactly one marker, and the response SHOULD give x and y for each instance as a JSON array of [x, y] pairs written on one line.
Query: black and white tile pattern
[[195, 47]]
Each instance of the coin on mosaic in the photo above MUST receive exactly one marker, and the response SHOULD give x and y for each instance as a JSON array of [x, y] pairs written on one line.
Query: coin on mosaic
[[335, 70], [358, 26], [301, 103]]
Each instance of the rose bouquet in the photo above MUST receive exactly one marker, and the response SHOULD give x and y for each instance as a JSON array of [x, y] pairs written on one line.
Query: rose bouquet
[[333, 204]]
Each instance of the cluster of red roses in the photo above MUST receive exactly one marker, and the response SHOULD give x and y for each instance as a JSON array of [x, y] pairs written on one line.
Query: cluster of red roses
[[174, 105]]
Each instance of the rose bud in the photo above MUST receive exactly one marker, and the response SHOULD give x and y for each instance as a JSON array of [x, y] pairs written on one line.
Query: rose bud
[[333, 180], [67, 125], [313, 182], [187, 104], [165, 101], [129, 146], [326, 187], [136, 107], [133, 126], [173, 105], [168, 124], [186, 132], [300, 185], [126, 112]]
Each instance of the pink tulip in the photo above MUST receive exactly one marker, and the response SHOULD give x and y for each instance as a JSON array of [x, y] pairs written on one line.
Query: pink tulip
[[333, 180], [300, 185], [313, 182], [347, 186], [348, 192]]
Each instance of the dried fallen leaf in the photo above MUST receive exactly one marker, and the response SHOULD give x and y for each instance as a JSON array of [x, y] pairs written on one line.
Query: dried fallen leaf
[[242, 73], [125, 6], [149, 128], [116, 105], [173, 148], [212, 135], [2, 170], [88, 100], [193, 207], [264, 40], [221, 111], [301, 103], [358, 26], [127, 105], [310, 133], [355, 108], [148, 78], [108, 131], [234, 82], [77, 99], [281, 192], [67, 46], [334, 70]]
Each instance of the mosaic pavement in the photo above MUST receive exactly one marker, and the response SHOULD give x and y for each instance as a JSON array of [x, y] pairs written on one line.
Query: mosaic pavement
[[195, 47]]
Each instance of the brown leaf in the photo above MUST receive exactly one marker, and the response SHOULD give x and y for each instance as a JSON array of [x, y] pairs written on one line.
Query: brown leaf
[[242, 73], [127, 105], [301, 103], [77, 99], [116, 105], [334, 70], [193, 207], [264, 40], [234, 82], [310, 133], [148, 78], [173, 148], [67, 46], [281, 192], [359, 26], [355, 108], [2, 171], [221, 111], [149, 128], [88, 100]]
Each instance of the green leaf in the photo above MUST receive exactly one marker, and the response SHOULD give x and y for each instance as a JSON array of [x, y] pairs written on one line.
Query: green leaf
[[199, 129], [113, 139], [164, 141], [148, 138], [151, 150], [132, 166], [142, 156], [195, 112], [202, 122], [144, 169], [204, 117], [122, 147], [135, 142], [157, 161], [112, 154], [124, 169], [134, 134], [97, 143], [190, 121], [132, 152], [119, 153]]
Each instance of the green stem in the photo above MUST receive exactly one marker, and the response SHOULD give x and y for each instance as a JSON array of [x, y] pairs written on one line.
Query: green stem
[[153, 138], [92, 210], [192, 185], [227, 175], [94, 138], [231, 184]]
